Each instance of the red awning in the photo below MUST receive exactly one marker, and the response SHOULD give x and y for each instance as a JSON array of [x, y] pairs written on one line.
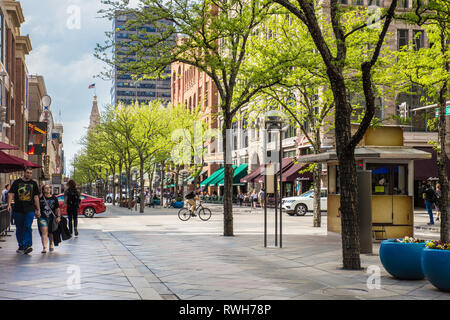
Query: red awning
[[9, 163], [251, 176], [4, 146], [293, 173], [286, 163], [424, 169]]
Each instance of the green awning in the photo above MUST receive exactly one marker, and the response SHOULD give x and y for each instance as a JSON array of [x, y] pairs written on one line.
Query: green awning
[[220, 181], [212, 177], [239, 173]]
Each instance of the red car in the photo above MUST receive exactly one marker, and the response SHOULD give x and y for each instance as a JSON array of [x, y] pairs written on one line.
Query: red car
[[89, 205]]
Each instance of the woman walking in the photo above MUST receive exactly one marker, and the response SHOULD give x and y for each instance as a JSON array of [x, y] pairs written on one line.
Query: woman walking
[[436, 204], [49, 210], [72, 201]]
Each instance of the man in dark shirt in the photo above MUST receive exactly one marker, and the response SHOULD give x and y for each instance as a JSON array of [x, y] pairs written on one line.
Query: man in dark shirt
[[25, 193], [430, 198]]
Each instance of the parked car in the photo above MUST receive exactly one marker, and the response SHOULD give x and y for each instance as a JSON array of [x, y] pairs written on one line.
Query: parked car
[[303, 203], [89, 205]]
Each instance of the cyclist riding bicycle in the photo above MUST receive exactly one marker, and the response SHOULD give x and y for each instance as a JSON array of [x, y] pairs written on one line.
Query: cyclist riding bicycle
[[191, 198]]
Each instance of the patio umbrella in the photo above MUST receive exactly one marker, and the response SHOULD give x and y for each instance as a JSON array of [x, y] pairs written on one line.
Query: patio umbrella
[[9, 163], [4, 146]]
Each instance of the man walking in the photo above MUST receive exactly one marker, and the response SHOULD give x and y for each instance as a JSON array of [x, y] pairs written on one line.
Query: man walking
[[26, 205], [430, 198], [5, 194]]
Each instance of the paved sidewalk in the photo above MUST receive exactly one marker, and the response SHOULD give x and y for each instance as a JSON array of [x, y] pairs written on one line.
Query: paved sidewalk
[[127, 255]]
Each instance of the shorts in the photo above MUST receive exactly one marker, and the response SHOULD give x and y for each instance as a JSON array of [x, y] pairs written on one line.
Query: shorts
[[43, 222]]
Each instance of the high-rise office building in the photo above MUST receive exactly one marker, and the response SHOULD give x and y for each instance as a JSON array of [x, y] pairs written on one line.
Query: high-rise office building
[[126, 89]]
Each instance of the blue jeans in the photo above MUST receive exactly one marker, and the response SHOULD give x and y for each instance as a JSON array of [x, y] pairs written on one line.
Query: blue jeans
[[24, 235], [429, 207]]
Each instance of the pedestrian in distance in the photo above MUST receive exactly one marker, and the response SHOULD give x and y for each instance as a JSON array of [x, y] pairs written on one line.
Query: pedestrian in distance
[[49, 211], [25, 193], [72, 202], [5, 194], [430, 197], [254, 198], [261, 198], [436, 204], [241, 198]]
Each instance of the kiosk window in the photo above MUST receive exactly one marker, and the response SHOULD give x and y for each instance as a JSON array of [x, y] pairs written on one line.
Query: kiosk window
[[389, 179]]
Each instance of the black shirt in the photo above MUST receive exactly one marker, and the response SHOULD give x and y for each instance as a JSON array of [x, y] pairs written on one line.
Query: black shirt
[[190, 195], [24, 193], [53, 204]]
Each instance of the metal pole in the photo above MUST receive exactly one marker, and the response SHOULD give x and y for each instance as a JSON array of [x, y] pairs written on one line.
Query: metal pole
[[281, 188], [265, 206], [276, 207]]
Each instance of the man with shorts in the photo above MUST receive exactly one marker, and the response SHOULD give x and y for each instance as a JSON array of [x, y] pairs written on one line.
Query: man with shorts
[[191, 198]]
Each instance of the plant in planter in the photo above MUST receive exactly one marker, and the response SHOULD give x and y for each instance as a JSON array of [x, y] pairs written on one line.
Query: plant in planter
[[402, 258], [436, 264]]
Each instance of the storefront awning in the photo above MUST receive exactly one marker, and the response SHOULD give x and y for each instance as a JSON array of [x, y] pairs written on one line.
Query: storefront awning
[[426, 169], [364, 153], [239, 172], [10, 163], [251, 176], [212, 177], [286, 164], [293, 173], [219, 180]]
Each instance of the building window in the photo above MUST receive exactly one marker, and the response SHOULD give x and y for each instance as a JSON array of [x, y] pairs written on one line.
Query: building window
[[373, 2], [418, 39], [235, 133], [289, 154], [404, 4], [389, 179], [244, 134], [358, 2], [344, 1], [402, 38]]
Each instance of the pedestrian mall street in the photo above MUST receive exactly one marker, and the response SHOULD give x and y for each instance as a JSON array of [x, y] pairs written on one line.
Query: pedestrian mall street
[[122, 254]]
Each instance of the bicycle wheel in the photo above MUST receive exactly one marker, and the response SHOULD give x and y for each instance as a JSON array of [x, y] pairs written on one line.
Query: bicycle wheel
[[184, 214], [204, 214]]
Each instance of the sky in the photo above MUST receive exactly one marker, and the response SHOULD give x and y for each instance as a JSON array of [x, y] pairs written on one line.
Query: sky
[[63, 46]]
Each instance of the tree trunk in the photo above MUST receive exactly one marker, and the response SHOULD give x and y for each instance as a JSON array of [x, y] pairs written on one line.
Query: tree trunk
[[317, 184], [228, 182], [128, 169], [442, 169], [347, 175], [120, 182], [162, 184], [141, 173], [113, 169]]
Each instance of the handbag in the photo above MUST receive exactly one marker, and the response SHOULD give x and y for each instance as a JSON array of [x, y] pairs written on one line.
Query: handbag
[[55, 224]]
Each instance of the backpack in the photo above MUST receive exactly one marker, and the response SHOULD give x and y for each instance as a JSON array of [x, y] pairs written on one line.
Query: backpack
[[73, 198]]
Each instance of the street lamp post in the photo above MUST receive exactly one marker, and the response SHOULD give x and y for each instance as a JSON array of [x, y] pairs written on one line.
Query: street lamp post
[[276, 121]]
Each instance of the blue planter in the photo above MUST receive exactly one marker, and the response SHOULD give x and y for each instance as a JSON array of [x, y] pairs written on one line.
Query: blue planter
[[436, 267], [402, 260], [178, 204]]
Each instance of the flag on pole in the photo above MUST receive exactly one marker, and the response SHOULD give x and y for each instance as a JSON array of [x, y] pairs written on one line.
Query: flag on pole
[[92, 86]]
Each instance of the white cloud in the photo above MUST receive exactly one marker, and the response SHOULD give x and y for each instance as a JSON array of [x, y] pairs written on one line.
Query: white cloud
[[78, 71]]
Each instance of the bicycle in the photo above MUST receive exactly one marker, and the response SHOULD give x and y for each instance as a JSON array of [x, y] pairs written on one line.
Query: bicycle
[[204, 213]]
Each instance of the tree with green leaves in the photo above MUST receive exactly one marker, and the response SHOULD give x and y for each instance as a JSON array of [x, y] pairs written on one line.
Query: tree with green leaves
[[335, 55], [429, 68], [212, 37]]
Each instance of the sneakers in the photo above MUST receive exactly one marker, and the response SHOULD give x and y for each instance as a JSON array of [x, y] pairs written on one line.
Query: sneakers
[[430, 224], [437, 219], [27, 250], [76, 233], [20, 250]]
